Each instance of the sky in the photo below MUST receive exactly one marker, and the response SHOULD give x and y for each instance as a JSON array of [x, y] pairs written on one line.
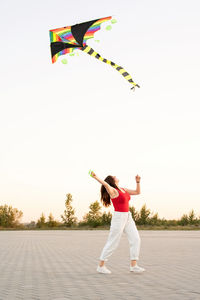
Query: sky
[[58, 121]]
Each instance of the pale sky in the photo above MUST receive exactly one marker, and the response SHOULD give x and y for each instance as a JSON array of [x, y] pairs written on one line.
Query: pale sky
[[58, 121]]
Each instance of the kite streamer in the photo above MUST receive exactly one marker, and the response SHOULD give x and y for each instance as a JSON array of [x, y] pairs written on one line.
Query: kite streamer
[[127, 76]]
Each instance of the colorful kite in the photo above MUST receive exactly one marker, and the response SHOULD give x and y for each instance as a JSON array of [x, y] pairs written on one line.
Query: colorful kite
[[66, 39]]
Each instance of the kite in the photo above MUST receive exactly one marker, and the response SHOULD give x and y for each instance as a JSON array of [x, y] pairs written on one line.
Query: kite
[[65, 40]]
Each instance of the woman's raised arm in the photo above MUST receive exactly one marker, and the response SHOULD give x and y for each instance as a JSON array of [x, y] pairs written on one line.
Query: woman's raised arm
[[111, 191], [137, 191]]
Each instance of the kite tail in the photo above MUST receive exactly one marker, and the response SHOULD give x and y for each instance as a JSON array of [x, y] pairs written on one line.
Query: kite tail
[[127, 76]]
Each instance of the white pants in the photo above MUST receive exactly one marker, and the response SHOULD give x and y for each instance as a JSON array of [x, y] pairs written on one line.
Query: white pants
[[122, 222]]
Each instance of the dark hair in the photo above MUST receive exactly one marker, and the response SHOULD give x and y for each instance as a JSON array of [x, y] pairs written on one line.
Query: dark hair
[[105, 197]]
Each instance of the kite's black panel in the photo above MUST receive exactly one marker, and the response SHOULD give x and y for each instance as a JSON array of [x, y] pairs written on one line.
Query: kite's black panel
[[59, 46], [79, 30]]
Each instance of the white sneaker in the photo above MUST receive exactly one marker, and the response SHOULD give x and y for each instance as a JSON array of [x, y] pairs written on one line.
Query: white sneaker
[[136, 269], [103, 269]]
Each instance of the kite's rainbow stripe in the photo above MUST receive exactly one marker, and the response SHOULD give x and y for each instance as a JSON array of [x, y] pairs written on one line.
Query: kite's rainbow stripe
[[63, 52], [64, 34], [55, 57], [54, 37], [95, 27]]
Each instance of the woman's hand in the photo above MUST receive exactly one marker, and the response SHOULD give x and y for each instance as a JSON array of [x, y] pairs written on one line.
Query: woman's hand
[[111, 191], [137, 178], [93, 175]]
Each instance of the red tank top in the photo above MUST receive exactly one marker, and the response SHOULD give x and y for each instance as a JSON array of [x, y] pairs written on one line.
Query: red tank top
[[121, 203]]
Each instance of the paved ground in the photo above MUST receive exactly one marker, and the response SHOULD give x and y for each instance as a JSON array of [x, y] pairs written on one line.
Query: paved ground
[[61, 265]]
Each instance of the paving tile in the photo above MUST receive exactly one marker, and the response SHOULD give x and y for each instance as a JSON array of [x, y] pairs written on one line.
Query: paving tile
[[61, 265]]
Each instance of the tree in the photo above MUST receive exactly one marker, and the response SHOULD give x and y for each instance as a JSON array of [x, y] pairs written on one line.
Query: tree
[[93, 218], [184, 220], [154, 219], [51, 221], [9, 217], [69, 213], [143, 215], [134, 213], [192, 218], [41, 221], [106, 218], [32, 224]]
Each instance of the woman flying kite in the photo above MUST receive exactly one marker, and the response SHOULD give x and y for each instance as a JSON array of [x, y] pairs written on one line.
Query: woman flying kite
[[122, 221], [64, 40]]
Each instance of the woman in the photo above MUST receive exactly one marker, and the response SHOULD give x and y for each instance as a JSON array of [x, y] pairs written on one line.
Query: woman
[[122, 221]]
